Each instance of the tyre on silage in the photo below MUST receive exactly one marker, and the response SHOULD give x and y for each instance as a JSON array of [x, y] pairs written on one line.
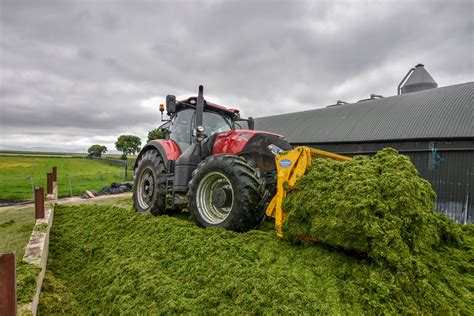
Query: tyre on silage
[[225, 192], [149, 187]]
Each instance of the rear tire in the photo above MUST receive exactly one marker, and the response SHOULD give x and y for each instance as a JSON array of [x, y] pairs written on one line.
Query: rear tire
[[149, 187], [225, 191]]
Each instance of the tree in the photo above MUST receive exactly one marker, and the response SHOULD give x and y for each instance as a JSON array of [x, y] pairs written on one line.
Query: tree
[[157, 133], [97, 150], [128, 144]]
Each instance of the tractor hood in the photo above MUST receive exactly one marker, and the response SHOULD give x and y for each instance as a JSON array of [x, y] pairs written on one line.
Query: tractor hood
[[234, 141]]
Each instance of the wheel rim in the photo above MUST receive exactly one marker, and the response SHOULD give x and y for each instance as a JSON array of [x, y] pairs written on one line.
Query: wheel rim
[[211, 184], [146, 188]]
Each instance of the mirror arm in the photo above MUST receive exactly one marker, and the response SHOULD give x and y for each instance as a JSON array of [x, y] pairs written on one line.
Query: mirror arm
[[250, 121], [163, 119]]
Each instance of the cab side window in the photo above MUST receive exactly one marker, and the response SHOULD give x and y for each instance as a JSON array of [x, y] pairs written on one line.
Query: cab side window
[[180, 128]]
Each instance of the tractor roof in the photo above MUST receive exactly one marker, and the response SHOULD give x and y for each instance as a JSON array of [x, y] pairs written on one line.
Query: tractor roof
[[209, 105]]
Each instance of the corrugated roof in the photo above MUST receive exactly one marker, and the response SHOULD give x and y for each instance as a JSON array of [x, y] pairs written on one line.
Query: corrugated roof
[[446, 112]]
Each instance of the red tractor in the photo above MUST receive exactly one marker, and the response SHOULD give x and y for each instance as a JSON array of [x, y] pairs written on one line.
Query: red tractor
[[223, 173]]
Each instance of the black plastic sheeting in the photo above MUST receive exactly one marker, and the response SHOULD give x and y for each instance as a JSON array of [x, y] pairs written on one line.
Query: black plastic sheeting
[[114, 188]]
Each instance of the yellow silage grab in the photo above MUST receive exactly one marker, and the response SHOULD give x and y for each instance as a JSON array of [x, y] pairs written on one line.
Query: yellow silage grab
[[290, 166]]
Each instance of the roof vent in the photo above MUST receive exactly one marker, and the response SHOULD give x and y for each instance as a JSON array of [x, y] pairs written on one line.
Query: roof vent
[[416, 79], [373, 96], [339, 102]]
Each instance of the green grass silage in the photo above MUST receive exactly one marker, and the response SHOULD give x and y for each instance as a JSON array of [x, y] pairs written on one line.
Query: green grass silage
[[26, 275], [379, 208], [110, 260]]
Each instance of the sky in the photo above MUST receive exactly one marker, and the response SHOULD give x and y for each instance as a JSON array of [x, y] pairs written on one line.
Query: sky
[[78, 73]]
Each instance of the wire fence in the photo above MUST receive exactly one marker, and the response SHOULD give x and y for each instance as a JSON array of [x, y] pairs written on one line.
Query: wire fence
[[22, 187]]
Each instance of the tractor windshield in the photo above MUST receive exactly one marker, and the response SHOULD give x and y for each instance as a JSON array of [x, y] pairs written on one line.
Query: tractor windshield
[[215, 123], [183, 123]]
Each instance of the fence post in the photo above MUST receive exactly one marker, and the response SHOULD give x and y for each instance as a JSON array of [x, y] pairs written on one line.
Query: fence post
[[7, 284], [39, 203], [55, 182], [126, 171], [49, 183], [32, 187], [70, 186]]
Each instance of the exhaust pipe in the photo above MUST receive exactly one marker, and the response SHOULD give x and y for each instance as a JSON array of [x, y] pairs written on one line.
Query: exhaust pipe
[[200, 106]]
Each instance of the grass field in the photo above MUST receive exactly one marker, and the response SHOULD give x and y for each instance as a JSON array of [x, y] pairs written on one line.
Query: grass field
[[15, 229], [39, 154], [19, 173]]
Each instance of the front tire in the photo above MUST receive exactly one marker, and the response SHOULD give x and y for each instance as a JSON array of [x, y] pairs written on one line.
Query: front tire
[[225, 191], [149, 187]]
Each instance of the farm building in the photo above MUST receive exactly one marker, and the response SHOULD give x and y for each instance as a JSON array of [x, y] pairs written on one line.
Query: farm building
[[433, 126]]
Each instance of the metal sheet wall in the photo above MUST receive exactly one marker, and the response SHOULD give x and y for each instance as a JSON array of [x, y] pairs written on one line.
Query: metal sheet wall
[[448, 165]]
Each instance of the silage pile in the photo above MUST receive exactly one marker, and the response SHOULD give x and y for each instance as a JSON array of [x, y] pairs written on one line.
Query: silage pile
[[111, 260], [375, 206]]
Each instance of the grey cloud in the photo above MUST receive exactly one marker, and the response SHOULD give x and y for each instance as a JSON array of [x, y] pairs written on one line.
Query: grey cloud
[[84, 67], [86, 54], [110, 21]]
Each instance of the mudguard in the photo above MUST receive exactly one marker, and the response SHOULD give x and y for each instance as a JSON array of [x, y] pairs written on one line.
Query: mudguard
[[234, 141], [167, 148]]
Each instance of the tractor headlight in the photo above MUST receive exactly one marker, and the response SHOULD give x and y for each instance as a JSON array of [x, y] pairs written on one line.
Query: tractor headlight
[[275, 149]]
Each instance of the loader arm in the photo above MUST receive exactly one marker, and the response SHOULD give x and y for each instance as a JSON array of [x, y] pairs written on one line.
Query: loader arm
[[290, 166]]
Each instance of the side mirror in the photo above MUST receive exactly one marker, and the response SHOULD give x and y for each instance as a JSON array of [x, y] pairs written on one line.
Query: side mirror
[[251, 123], [170, 103]]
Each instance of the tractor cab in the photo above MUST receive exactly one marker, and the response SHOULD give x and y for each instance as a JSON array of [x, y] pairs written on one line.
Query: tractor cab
[[215, 119]]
